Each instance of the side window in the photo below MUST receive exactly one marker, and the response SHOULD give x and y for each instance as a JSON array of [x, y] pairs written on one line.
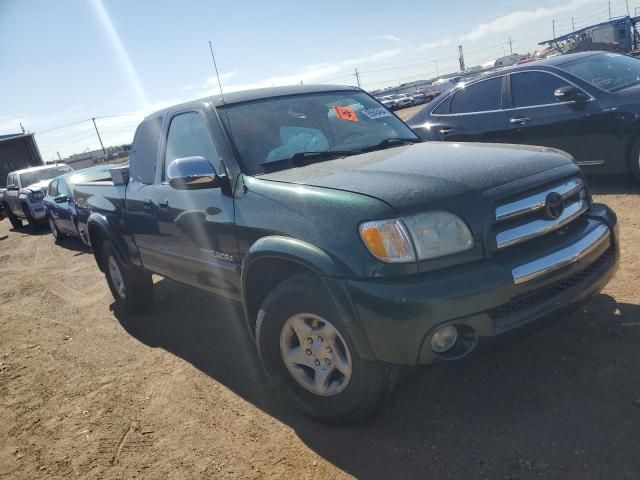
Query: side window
[[145, 150], [443, 108], [53, 189], [189, 137], [483, 96], [534, 88]]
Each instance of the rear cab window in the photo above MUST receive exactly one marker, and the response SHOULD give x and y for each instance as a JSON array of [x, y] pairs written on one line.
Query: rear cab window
[[482, 96], [144, 155]]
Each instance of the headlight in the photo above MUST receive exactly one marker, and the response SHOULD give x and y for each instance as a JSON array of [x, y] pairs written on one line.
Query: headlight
[[426, 235], [36, 196], [436, 234]]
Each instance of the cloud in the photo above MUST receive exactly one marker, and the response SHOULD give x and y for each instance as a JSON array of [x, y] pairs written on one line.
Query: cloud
[[521, 18], [435, 44], [391, 38]]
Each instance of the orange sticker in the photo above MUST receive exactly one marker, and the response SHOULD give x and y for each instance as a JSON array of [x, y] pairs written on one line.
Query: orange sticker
[[345, 113]]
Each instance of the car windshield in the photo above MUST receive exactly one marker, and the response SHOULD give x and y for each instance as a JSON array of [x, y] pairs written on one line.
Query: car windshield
[[272, 130], [29, 178], [608, 71]]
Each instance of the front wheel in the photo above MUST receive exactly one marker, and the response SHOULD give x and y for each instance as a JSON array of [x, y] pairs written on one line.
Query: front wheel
[[15, 221], [30, 220], [57, 235], [307, 352], [131, 288]]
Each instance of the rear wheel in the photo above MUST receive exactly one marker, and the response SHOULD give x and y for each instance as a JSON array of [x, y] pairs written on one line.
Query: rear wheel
[[307, 352], [131, 288]]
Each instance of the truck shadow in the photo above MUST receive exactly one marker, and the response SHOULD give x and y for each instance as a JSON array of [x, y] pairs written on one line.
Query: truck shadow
[[557, 404]]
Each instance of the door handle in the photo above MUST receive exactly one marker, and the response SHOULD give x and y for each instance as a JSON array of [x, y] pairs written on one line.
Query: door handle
[[519, 120], [445, 131], [164, 203]]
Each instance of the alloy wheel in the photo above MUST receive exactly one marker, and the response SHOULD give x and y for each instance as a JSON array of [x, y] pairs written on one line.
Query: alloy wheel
[[315, 354]]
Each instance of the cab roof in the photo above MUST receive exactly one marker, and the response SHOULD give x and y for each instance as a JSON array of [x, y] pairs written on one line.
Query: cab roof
[[232, 98], [40, 167]]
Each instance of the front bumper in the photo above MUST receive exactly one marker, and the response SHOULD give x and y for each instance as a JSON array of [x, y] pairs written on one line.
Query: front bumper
[[37, 211], [485, 300]]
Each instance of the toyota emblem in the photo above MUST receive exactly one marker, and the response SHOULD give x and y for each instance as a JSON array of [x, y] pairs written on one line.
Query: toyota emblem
[[554, 205]]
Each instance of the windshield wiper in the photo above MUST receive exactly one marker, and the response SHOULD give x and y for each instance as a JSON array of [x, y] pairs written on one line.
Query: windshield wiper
[[391, 142], [299, 158]]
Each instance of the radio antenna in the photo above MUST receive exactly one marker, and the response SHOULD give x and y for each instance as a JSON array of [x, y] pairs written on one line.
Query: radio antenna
[[213, 57]]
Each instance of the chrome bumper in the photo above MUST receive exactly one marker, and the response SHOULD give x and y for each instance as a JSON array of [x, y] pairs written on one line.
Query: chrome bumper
[[598, 239]]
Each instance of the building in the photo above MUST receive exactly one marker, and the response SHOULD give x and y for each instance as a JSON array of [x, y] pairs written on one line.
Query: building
[[17, 151], [79, 161]]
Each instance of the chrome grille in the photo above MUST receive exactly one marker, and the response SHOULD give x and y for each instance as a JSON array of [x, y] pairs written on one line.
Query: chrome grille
[[525, 218]]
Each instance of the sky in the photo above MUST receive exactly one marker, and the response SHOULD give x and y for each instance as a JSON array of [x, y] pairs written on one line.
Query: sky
[[64, 62]]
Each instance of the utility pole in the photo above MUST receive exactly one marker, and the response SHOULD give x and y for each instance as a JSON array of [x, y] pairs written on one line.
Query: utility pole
[[609, 9], [437, 73], [357, 75], [22, 128], [554, 29], [511, 45], [59, 157], [628, 12], [462, 69], [98, 133], [573, 25]]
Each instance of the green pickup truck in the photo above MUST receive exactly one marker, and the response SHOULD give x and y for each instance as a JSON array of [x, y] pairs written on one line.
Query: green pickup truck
[[353, 246]]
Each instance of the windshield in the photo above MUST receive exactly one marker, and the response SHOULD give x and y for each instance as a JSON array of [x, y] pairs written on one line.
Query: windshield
[[29, 178], [271, 130], [607, 71]]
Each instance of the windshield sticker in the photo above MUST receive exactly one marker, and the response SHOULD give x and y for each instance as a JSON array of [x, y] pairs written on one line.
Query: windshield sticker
[[345, 113], [374, 113]]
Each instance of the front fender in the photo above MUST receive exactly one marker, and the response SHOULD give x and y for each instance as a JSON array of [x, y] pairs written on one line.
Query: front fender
[[294, 250]]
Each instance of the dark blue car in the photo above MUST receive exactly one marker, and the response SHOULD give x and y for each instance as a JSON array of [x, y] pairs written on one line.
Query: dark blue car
[[66, 216]]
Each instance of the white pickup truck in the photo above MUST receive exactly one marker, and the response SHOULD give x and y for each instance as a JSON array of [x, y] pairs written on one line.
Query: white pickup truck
[[26, 189]]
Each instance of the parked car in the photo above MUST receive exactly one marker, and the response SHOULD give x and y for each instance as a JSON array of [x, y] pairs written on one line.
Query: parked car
[[419, 98], [67, 213], [429, 96], [26, 188], [353, 247], [402, 100], [388, 102], [587, 104]]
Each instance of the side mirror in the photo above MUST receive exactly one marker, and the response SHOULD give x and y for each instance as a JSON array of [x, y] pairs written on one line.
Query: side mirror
[[570, 94], [61, 199], [192, 173], [13, 186]]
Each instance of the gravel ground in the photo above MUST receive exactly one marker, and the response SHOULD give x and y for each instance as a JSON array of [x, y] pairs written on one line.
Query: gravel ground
[[86, 392]]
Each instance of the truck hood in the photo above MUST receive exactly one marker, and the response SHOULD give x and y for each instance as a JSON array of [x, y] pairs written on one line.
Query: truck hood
[[431, 173], [41, 185]]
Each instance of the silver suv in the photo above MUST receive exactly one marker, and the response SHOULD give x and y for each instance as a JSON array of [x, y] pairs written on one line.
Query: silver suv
[[26, 189]]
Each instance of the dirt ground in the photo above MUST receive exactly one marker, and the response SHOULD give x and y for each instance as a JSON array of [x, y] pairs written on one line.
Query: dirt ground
[[87, 392]]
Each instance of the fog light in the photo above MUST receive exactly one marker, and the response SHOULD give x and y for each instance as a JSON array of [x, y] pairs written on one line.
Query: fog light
[[444, 339]]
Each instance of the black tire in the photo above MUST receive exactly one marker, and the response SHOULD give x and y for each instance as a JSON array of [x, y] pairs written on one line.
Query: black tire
[[369, 382], [15, 221], [27, 213], [134, 292], [57, 234], [634, 161]]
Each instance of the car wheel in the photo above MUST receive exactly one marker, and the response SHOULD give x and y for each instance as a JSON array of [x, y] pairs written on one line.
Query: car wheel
[[27, 213], [634, 161], [131, 288], [57, 236], [15, 221], [306, 350]]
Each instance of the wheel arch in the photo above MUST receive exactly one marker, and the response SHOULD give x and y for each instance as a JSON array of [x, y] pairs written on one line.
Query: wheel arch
[[98, 230]]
